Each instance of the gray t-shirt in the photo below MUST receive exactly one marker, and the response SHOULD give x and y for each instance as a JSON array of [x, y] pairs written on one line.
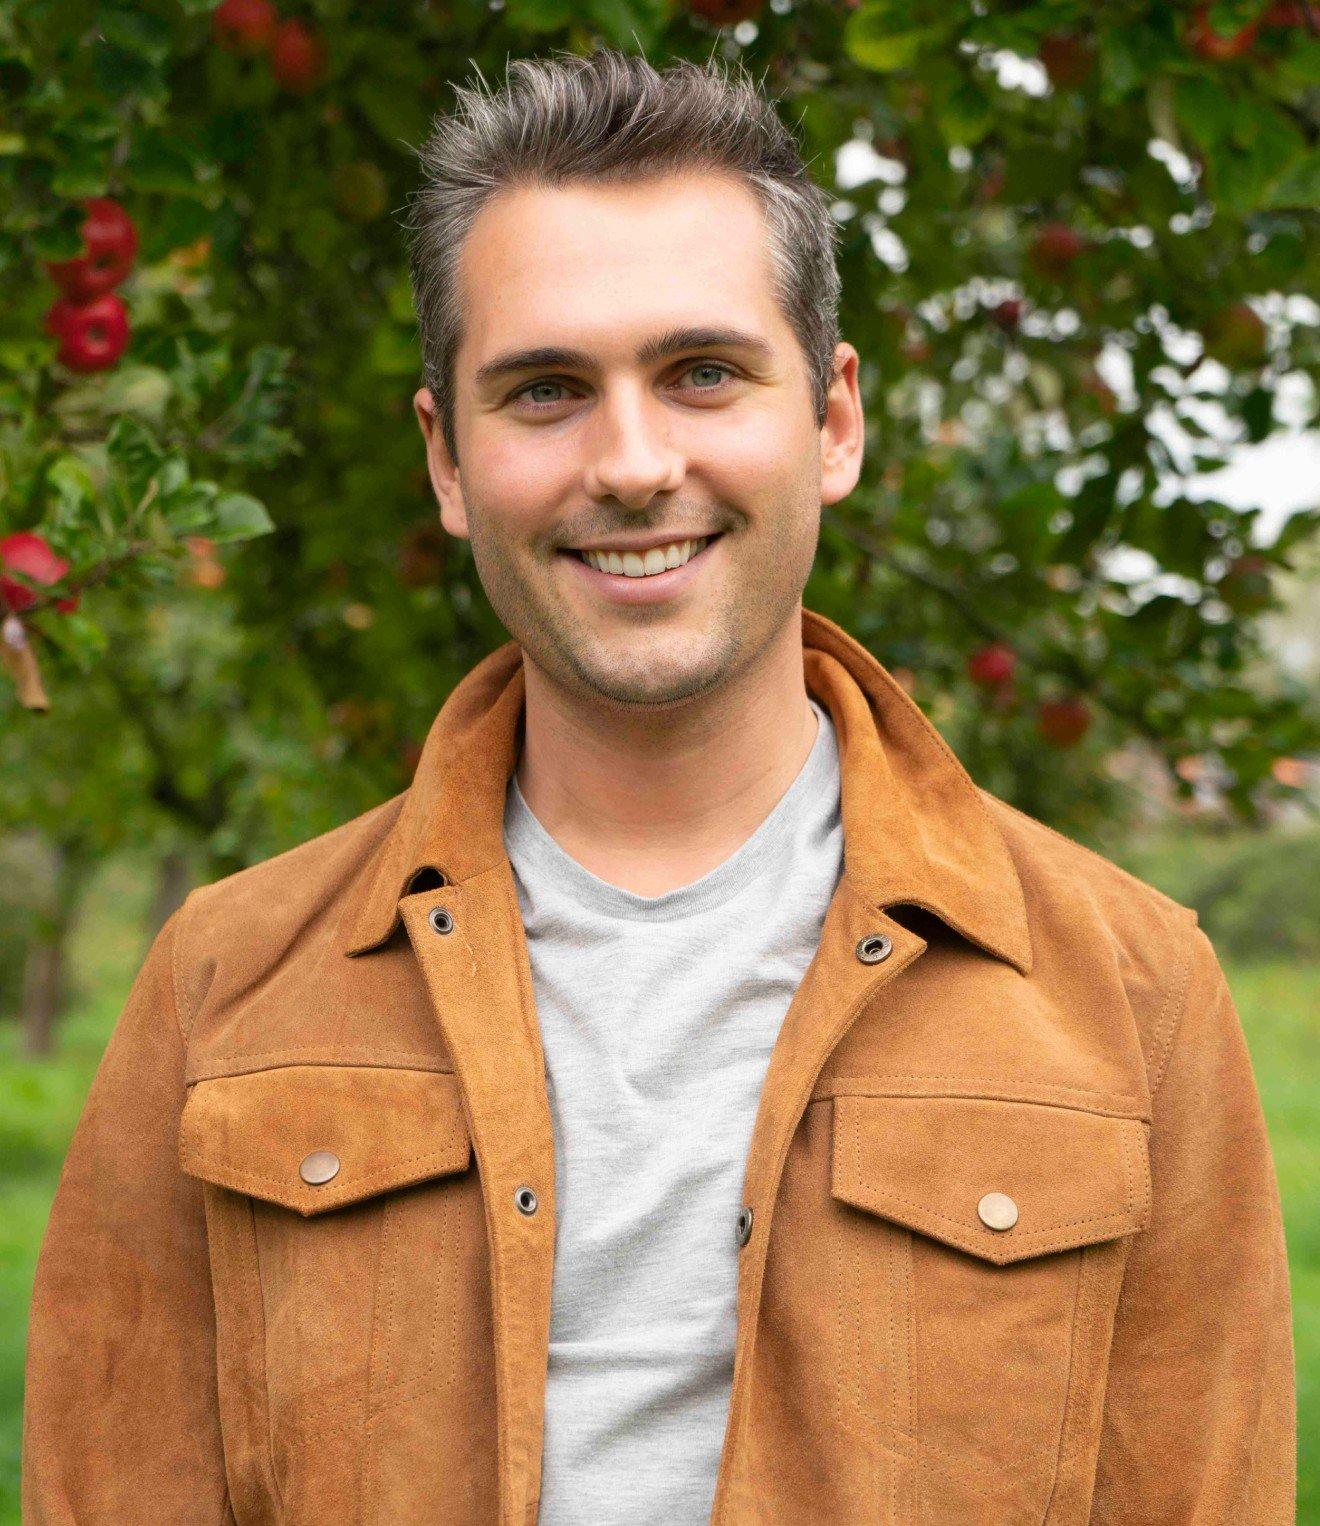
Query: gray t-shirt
[[658, 1015]]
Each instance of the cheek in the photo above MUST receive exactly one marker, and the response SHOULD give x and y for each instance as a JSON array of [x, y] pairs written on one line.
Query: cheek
[[763, 453], [512, 499]]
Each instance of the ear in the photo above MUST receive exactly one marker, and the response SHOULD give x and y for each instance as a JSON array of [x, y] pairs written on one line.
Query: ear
[[440, 466], [843, 435]]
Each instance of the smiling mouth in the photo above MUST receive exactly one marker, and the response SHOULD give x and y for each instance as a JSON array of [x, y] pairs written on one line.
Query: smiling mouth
[[642, 565]]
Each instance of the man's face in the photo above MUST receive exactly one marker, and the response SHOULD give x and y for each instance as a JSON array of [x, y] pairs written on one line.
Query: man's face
[[712, 439]]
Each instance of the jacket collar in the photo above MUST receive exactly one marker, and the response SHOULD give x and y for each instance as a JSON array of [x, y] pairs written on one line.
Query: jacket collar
[[916, 828]]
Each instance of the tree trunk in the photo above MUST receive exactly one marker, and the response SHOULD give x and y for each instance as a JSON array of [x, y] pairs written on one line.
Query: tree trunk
[[45, 986], [43, 992], [173, 882]]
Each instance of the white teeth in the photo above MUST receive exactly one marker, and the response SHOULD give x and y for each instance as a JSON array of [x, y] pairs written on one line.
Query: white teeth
[[633, 564]]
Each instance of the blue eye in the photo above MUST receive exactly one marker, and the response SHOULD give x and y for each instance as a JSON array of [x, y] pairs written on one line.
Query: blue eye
[[703, 365]]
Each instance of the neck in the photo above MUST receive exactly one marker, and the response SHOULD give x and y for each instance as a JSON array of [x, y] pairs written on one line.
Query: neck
[[651, 802]]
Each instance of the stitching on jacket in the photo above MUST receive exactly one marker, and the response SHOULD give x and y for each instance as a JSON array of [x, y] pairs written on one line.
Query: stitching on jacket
[[370, 1441], [254, 1274], [173, 925], [874, 1086], [964, 780], [392, 1393], [1081, 1306], [385, 1330], [893, 1337], [912, 1411], [919, 1453], [1166, 901], [912, 1433], [843, 1363], [1164, 1048], [855, 1305], [436, 1158], [383, 1059], [1051, 1228]]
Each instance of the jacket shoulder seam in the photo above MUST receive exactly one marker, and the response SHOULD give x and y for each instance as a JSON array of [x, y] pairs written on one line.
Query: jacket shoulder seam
[[1108, 863], [176, 989], [1169, 1022]]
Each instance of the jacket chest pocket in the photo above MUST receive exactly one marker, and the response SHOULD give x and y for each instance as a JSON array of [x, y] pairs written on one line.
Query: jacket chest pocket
[[980, 1250], [337, 1203]]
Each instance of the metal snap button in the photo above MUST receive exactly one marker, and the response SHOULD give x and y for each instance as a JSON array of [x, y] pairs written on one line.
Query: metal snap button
[[997, 1211], [318, 1167], [525, 1199], [744, 1226], [875, 947], [440, 920]]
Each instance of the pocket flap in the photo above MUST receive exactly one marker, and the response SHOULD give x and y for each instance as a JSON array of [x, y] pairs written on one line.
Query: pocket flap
[[369, 1128], [1072, 1177]]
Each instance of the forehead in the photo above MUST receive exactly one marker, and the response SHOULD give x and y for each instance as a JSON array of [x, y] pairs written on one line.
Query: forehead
[[596, 265]]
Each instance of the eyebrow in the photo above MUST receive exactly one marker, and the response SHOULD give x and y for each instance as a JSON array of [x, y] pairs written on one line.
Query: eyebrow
[[670, 343]]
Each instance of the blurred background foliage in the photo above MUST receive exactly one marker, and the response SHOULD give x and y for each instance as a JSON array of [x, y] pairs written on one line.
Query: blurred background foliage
[[1062, 228]]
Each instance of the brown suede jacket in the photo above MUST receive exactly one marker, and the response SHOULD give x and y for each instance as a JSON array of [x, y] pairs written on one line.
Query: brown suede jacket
[[1011, 1249]]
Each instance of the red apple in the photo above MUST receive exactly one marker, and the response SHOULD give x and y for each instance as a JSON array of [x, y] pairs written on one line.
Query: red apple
[[1236, 336], [1053, 249], [1068, 59], [297, 57], [58, 315], [725, 12], [992, 665], [991, 185], [93, 335], [110, 243], [244, 26], [1008, 314], [1063, 722], [1206, 43], [30, 554]]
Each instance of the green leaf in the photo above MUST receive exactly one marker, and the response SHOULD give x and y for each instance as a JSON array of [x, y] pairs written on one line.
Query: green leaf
[[237, 516], [70, 481], [1298, 185], [630, 24], [870, 39], [78, 636], [133, 448], [394, 353], [540, 15], [82, 171], [399, 117], [158, 162], [120, 72], [964, 116], [1300, 526], [135, 30]]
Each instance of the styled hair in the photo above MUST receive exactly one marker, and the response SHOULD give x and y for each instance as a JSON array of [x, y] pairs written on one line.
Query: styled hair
[[610, 117]]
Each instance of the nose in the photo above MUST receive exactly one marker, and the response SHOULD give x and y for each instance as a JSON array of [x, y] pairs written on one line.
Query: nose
[[632, 456]]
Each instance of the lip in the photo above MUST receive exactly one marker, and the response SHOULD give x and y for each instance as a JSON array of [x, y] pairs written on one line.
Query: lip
[[650, 590]]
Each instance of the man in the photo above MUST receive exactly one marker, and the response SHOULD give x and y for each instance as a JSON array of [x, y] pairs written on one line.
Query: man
[[693, 1099]]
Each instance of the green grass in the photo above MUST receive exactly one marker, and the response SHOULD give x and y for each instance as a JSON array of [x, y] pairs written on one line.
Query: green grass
[[40, 1101]]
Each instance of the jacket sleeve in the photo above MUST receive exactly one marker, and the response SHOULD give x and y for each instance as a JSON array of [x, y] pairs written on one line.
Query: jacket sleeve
[[120, 1415], [1200, 1408]]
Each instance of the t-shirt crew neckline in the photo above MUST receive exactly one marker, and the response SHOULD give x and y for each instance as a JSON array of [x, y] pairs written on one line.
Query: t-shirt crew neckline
[[528, 841]]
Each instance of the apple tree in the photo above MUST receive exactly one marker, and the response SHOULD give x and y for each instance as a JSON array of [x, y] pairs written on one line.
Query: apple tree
[[1078, 248]]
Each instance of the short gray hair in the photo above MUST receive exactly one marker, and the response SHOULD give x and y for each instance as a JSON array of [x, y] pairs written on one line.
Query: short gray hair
[[610, 117]]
